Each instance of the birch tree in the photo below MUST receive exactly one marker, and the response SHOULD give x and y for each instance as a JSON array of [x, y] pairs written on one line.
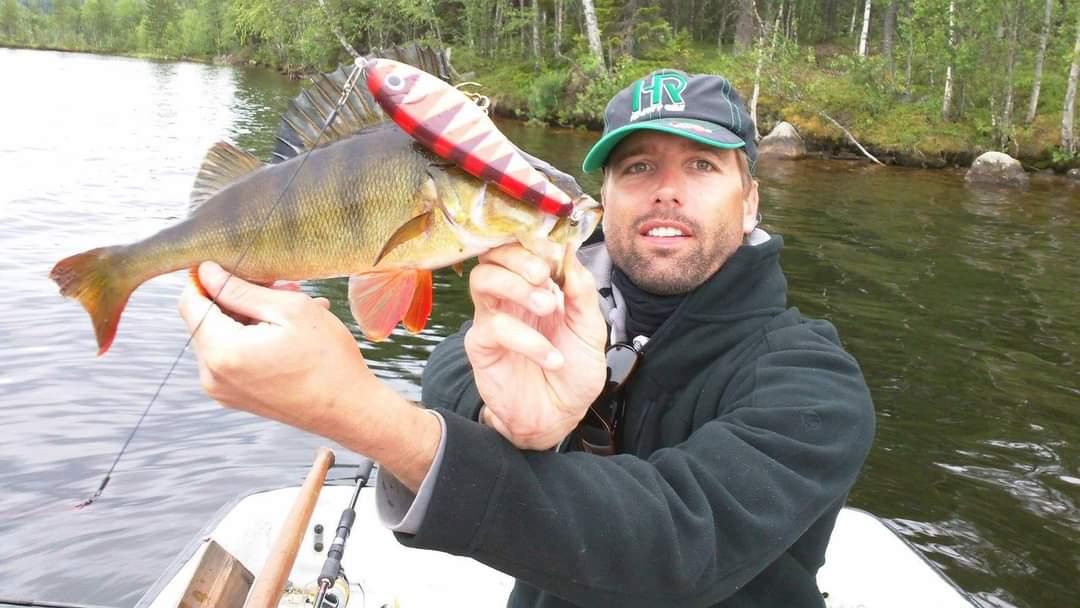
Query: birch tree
[[593, 32], [888, 35], [950, 70], [1033, 105], [538, 57], [1010, 64], [865, 30], [1068, 138], [744, 26], [557, 42]]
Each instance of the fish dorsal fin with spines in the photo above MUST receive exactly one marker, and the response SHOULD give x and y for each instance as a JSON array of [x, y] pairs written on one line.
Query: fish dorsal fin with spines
[[308, 111], [224, 164]]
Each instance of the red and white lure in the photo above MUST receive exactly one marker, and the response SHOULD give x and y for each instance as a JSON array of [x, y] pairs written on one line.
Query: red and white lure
[[448, 123]]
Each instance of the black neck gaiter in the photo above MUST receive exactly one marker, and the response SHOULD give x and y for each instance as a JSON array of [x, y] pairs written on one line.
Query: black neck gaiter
[[645, 312]]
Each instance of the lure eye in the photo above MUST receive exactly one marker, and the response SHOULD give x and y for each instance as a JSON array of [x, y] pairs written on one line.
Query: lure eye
[[394, 82]]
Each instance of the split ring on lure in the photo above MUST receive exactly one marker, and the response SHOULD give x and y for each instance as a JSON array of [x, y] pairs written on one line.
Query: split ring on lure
[[448, 123]]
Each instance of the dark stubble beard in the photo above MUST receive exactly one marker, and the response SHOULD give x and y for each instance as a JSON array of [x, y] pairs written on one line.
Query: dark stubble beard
[[683, 271]]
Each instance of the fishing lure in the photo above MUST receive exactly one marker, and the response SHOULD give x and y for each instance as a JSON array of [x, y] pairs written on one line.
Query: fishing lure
[[448, 123]]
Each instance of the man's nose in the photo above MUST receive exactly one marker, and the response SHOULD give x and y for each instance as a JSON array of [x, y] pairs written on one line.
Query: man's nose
[[667, 187]]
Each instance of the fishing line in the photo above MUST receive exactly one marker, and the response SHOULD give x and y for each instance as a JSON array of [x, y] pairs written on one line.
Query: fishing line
[[350, 82]]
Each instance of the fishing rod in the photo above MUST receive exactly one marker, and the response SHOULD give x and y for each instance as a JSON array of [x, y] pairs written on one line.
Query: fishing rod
[[331, 569]]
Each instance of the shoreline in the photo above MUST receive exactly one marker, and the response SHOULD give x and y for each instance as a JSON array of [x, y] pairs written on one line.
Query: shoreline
[[508, 106]]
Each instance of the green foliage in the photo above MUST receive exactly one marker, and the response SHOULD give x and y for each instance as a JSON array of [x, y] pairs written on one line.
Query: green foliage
[[493, 38], [9, 20], [545, 95]]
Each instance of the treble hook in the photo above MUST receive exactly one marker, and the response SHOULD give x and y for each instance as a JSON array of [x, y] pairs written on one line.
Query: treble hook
[[483, 101]]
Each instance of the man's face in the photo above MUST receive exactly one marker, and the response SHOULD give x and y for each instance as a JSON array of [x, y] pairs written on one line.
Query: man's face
[[674, 210]]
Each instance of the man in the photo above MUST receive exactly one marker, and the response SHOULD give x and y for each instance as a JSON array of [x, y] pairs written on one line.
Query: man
[[711, 476]]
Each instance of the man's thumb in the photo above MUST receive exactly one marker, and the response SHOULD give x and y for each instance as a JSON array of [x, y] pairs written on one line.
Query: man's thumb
[[238, 296]]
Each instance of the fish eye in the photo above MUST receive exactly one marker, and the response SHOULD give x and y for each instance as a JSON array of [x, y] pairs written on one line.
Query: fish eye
[[395, 82]]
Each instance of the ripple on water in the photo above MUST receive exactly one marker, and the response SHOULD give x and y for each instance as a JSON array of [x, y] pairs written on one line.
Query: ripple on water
[[959, 305]]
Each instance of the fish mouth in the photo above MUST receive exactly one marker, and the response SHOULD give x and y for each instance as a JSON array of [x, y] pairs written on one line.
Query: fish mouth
[[587, 213]]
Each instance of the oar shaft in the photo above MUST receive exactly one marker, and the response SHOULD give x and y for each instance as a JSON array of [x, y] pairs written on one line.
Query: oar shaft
[[270, 583]]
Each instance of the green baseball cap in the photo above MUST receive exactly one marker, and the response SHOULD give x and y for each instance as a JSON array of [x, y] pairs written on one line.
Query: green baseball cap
[[704, 108]]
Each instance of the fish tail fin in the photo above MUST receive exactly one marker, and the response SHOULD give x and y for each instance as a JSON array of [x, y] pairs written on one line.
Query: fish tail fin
[[381, 298], [91, 278]]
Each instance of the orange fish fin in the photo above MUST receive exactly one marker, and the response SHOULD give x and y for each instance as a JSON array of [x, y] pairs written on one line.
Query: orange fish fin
[[197, 283], [420, 310], [379, 299], [408, 231], [91, 278]]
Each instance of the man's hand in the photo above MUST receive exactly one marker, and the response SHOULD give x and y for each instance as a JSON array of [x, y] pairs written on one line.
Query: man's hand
[[537, 352], [293, 361]]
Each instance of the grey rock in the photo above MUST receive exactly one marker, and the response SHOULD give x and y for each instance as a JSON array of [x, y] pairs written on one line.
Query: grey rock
[[995, 168], [1073, 174], [783, 143]]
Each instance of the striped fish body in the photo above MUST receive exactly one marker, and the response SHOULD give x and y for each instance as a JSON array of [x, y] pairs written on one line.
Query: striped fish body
[[339, 213]]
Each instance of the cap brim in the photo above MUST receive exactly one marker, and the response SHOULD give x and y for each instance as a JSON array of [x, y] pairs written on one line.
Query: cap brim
[[708, 133]]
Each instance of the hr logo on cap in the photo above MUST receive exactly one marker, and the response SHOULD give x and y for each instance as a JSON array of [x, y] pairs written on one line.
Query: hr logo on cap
[[669, 85]]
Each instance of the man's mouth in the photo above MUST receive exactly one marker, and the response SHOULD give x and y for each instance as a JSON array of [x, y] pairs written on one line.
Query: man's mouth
[[664, 230]]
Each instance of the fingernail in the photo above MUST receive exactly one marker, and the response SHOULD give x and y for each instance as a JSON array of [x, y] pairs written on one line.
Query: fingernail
[[541, 301], [553, 360]]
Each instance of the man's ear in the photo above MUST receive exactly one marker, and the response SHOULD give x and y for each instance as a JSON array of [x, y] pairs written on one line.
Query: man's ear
[[750, 208]]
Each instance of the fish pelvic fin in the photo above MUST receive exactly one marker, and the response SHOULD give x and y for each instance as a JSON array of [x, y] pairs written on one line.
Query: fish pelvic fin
[[197, 284], [381, 298], [223, 165], [416, 317], [93, 279]]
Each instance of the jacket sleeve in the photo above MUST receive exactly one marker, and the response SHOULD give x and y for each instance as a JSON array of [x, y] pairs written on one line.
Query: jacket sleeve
[[447, 381], [688, 526]]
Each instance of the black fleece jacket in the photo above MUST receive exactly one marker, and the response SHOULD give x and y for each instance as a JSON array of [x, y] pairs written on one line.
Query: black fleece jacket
[[745, 428]]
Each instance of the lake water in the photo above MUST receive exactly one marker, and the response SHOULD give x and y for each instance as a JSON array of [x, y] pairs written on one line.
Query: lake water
[[962, 306]]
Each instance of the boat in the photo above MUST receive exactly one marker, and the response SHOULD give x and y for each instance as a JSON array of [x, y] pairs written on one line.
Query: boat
[[867, 563]]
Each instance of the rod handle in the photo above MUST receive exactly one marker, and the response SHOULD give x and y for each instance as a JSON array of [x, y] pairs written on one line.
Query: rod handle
[[270, 583]]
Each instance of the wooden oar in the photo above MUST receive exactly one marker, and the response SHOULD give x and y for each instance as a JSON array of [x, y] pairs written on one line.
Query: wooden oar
[[270, 583]]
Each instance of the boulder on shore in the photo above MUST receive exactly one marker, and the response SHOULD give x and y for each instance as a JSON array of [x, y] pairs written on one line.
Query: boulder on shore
[[782, 143], [1073, 174], [995, 168]]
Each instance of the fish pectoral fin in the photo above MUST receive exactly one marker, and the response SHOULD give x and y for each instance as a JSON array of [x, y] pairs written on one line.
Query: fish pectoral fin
[[223, 165], [459, 268], [380, 298], [411, 229]]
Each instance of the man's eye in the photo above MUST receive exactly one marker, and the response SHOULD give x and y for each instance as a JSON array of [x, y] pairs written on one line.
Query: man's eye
[[636, 167], [703, 165]]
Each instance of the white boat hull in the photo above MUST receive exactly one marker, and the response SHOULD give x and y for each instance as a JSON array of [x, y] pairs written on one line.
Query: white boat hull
[[867, 564]]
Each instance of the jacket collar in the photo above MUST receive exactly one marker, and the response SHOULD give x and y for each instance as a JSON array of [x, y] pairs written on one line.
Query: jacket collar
[[744, 294]]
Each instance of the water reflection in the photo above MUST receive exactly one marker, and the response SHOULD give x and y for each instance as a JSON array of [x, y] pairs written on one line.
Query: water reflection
[[959, 303]]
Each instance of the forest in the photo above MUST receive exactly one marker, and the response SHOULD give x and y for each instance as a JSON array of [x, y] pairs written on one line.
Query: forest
[[920, 82]]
